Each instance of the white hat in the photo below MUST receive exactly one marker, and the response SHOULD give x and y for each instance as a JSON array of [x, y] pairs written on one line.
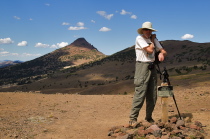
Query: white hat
[[145, 25]]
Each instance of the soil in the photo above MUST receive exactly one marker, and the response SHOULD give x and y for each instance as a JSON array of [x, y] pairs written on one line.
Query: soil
[[63, 116]]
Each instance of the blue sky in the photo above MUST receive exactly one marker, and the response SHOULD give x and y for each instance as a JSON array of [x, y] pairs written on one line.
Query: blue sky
[[32, 28]]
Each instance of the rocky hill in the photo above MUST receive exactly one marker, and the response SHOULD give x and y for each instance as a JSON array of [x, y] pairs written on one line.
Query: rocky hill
[[78, 52], [187, 63]]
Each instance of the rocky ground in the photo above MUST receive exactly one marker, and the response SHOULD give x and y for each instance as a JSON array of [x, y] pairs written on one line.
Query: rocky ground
[[64, 116]]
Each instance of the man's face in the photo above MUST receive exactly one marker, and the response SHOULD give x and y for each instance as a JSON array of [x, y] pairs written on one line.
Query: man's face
[[147, 33]]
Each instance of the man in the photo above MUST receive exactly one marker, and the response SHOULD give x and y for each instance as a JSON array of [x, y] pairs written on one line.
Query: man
[[145, 78]]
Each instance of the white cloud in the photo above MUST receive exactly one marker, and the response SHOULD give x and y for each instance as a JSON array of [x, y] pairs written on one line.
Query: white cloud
[[81, 24], [93, 21], [123, 12], [16, 17], [65, 23], [187, 36], [134, 17], [41, 45], [6, 41], [103, 13], [30, 19], [5, 53], [23, 43], [105, 29], [76, 28], [59, 45]]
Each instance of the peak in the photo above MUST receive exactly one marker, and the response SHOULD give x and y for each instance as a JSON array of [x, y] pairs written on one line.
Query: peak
[[81, 42]]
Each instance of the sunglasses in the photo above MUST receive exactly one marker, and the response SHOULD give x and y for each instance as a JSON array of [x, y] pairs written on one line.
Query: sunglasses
[[146, 29]]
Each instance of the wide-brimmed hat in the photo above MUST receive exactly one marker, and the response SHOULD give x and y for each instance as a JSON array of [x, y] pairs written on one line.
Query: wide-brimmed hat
[[146, 25]]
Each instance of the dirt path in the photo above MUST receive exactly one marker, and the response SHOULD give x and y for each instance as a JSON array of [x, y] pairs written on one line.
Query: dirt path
[[40, 116]]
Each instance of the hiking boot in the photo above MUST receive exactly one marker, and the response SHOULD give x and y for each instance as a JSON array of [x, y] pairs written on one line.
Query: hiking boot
[[133, 123], [150, 120]]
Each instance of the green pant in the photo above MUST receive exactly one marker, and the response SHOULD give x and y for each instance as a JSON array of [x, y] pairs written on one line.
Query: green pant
[[145, 81]]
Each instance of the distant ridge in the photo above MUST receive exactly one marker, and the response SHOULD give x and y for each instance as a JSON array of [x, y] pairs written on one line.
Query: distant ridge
[[6, 63]]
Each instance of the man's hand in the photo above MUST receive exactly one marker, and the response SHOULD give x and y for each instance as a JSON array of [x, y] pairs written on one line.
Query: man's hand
[[161, 57], [162, 54]]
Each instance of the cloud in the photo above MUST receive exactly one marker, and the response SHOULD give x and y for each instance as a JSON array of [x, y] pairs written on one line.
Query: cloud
[[76, 28], [187, 36], [134, 17], [16, 17], [59, 45], [30, 19], [47, 4], [5, 53], [105, 29], [41, 45], [65, 23], [80, 26], [23, 43], [103, 13], [6, 41], [93, 21], [123, 12]]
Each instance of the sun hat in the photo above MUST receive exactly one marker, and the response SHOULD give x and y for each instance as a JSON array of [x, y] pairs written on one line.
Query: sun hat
[[145, 25]]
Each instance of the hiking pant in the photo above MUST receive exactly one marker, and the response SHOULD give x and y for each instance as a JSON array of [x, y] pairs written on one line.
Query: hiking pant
[[145, 81]]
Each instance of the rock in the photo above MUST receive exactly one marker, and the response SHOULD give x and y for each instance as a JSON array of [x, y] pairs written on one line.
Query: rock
[[174, 129], [114, 128], [180, 123], [173, 120], [194, 127], [199, 124], [157, 133], [146, 124], [124, 136], [187, 120], [154, 127], [165, 136], [110, 133], [150, 137], [132, 131], [117, 130], [141, 132], [160, 125]]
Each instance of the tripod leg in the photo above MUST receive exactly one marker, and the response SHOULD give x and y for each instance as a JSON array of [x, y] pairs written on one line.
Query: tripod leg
[[176, 107]]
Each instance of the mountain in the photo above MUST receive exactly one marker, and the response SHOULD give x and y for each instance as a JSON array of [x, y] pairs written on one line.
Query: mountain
[[6, 63], [187, 63], [78, 52]]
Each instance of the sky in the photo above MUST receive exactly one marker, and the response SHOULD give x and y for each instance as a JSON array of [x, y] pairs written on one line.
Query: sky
[[33, 28]]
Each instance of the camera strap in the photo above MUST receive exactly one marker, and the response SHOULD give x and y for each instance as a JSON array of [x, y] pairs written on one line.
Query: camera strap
[[157, 63]]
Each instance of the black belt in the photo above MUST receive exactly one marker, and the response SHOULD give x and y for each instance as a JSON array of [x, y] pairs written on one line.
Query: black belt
[[144, 62]]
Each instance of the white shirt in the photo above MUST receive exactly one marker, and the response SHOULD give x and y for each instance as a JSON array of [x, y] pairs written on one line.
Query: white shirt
[[141, 54]]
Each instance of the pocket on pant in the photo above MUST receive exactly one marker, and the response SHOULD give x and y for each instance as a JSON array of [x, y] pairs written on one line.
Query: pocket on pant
[[138, 81]]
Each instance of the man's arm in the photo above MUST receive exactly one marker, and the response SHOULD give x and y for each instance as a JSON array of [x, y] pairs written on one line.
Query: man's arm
[[151, 47]]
